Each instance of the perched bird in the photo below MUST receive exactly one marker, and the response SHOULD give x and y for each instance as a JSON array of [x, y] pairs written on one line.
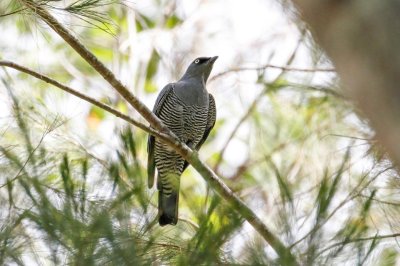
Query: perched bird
[[189, 111]]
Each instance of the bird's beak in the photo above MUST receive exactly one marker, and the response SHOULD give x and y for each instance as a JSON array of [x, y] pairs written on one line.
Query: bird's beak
[[212, 60]]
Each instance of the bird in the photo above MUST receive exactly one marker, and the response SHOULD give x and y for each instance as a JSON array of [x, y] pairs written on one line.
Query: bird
[[189, 111]]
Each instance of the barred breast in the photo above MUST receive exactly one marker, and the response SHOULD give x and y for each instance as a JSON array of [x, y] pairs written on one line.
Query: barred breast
[[188, 123]]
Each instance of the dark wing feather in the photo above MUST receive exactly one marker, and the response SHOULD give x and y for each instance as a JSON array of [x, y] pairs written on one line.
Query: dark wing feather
[[151, 165], [212, 116]]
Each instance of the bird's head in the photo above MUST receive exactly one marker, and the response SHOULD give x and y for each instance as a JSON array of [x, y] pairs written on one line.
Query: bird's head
[[200, 68]]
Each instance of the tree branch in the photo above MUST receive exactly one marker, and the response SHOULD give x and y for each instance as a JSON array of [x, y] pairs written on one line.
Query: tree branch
[[377, 237], [283, 68], [84, 97], [237, 204], [96, 64]]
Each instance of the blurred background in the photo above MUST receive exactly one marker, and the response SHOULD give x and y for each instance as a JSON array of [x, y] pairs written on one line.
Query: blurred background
[[287, 141]]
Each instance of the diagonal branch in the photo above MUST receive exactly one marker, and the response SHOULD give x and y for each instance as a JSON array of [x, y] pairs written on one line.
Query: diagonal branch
[[84, 97], [95, 63], [215, 182]]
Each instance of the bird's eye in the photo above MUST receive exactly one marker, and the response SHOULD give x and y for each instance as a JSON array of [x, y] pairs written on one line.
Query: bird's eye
[[196, 61]]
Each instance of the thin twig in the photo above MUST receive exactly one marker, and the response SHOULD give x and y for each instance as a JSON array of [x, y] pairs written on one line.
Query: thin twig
[[397, 204], [377, 237], [12, 12], [352, 195], [283, 68], [22, 168], [322, 89]]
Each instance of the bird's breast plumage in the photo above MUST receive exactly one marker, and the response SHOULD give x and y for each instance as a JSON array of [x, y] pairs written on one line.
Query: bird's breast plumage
[[187, 121]]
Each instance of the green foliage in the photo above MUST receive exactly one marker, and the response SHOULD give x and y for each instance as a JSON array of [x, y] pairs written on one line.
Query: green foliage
[[144, 23], [151, 70], [389, 257], [172, 21], [77, 228]]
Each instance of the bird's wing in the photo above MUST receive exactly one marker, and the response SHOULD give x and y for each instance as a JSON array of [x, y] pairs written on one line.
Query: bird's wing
[[151, 140], [212, 116]]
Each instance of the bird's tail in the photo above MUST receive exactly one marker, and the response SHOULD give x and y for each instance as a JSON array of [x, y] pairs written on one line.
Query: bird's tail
[[168, 199], [168, 208]]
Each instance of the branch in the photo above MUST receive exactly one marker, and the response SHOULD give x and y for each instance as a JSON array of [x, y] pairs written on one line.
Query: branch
[[12, 12], [95, 63], [84, 97], [377, 237], [322, 89], [22, 168], [238, 205], [397, 204], [283, 68]]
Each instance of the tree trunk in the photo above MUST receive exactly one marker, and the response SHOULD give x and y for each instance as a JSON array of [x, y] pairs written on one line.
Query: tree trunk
[[362, 38]]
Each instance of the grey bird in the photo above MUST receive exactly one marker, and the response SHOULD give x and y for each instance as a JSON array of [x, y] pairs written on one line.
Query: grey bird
[[188, 110]]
